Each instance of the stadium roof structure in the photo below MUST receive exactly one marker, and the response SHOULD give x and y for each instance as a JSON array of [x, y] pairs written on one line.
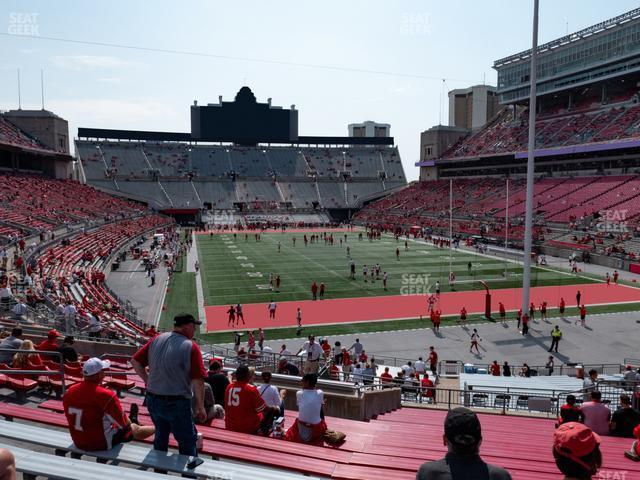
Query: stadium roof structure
[[243, 121], [595, 55], [574, 37]]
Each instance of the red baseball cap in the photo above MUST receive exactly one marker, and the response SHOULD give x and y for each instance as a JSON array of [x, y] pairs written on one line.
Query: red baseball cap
[[53, 334], [574, 440]]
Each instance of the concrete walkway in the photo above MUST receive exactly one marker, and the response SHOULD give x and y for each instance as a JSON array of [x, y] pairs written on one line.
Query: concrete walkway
[[130, 282]]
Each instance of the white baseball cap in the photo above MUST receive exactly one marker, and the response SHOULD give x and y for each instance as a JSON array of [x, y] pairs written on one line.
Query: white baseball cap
[[95, 365]]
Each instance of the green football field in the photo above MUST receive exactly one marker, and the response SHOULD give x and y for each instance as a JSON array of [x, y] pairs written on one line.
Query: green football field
[[235, 270]]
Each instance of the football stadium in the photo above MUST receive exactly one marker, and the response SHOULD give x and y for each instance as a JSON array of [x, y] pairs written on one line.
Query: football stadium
[[232, 289]]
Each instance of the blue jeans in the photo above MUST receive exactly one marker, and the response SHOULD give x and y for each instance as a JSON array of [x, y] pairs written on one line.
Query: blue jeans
[[173, 416]]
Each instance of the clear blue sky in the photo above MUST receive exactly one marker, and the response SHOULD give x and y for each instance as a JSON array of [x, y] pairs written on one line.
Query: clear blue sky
[[107, 87]]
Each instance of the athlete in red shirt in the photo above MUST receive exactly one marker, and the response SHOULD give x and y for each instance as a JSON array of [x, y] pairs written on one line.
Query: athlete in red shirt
[[94, 413], [245, 410], [503, 313], [495, 369]]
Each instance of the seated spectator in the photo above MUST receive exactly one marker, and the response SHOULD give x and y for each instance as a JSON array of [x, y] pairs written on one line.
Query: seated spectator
[[242, 355], [218, 381], [356, 375], [7, 465], [69, 353], [50, 344], [399, 379], [25, 360], [87, 404], [368, 374], [334, 372], [596, 414], [270, 394], [625, 419], [362, 358], [427, 388], [576, 450], [284, 351], [212, 410], [13, 342], [286, 368], [525, 371], [310, 426], [386, 377], [634, 453], [570, 412], [462, 437], [408, 369], [245, 410]]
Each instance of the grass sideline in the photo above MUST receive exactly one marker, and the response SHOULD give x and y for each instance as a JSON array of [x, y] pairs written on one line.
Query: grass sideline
[[181, 295], [410, 324]]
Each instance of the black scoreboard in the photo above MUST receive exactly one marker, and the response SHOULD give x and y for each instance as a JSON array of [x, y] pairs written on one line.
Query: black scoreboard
[[244, 122]]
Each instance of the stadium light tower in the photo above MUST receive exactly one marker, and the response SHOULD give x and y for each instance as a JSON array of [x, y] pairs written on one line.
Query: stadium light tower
[[528, 225]]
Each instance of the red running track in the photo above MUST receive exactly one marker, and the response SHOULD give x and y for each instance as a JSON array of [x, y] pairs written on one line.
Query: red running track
[[395, 307], [277, 230]]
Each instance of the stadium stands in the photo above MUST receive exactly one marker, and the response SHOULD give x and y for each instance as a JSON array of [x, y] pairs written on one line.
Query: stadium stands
[[223, 175], [30, 203], [12, 135], [507, 132]]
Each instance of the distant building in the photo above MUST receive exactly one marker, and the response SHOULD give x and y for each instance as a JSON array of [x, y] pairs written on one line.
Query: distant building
[[43, 125], [433, 143], [369, 129], [472, 107]]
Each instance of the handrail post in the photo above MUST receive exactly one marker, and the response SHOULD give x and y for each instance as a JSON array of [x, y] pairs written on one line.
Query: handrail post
[[64, 388]]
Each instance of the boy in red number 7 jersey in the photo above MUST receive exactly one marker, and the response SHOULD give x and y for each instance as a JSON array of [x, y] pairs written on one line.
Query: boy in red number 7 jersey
[[94, 413]]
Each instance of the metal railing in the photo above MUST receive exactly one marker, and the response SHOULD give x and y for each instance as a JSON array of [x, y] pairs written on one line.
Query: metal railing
[[456, 367], [261, 359], [46, 373]]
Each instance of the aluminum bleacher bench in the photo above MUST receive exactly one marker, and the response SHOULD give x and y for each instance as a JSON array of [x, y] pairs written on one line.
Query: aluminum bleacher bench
[[140, 456], [34, 464]]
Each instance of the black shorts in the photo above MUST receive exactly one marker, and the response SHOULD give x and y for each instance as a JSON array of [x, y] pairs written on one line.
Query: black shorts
[[122, 435]]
